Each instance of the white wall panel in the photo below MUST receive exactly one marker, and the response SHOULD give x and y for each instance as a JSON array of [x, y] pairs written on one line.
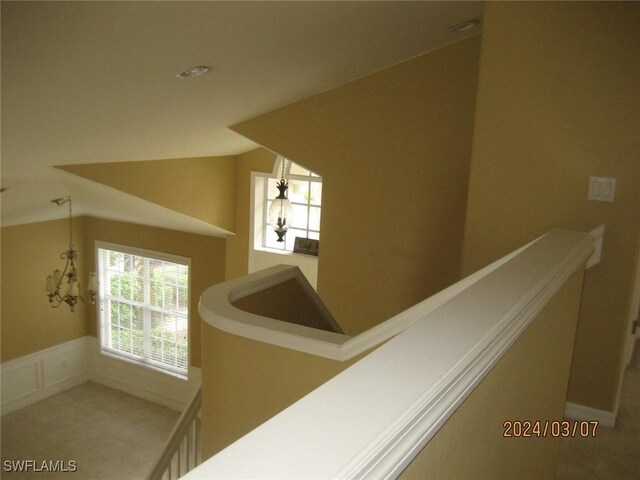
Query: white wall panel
[[39, 375]]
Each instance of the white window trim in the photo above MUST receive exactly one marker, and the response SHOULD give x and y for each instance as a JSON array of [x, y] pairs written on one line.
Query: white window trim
[[158, 256], [258, 213]]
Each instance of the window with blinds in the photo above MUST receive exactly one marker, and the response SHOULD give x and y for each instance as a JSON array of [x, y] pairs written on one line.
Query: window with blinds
[[144, 307]]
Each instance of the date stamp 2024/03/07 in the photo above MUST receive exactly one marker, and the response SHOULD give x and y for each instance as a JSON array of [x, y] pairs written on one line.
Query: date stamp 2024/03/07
[[549, 428]]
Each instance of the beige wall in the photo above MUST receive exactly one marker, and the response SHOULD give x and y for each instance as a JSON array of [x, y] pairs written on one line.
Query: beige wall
[[286, 301], [207, 256], [393, 149], [33, 250], [242, 390], [214, 189], [529, 383], [203, 188], [258, 160], [30, 253], [558, 101]]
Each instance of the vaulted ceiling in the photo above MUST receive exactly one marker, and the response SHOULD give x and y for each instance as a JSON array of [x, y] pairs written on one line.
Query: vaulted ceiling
[[88, 82]]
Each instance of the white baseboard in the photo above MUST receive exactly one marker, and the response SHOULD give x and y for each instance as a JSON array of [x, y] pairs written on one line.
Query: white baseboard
[[143, 382], [39, 375], [580, 412]]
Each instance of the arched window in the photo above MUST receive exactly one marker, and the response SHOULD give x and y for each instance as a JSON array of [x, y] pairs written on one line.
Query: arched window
[[305, 194]]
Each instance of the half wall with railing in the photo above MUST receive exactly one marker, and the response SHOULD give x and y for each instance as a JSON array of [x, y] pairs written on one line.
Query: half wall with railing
[[182, 451], [424, 395]]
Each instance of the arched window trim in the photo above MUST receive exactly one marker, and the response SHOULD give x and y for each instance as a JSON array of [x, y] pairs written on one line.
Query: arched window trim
[[277, 170]]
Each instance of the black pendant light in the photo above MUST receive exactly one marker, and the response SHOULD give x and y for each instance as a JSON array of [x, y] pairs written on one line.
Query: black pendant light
[[280, 209]]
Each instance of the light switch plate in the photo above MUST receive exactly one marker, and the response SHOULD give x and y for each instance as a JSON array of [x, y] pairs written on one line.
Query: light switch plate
[[602, 189]]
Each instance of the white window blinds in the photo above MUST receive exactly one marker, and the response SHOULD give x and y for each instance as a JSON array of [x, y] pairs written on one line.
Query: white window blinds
[[144, 307]]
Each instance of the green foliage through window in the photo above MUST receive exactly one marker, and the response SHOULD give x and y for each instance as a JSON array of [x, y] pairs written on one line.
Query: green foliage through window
[[144, 308]]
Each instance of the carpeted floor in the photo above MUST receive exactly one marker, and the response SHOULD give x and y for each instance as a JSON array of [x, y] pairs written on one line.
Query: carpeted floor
[[107, 434], [614, 454]]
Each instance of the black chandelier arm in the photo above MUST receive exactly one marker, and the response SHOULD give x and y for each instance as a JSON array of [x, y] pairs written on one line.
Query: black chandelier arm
[[69, 272], [56, 300], [70, 255]]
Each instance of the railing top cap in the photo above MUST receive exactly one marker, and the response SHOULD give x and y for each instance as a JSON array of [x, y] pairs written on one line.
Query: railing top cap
[[332, 433]]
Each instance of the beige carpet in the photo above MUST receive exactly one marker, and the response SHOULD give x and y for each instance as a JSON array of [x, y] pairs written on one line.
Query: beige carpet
[[614, 454], [108, 434], [112, 435]]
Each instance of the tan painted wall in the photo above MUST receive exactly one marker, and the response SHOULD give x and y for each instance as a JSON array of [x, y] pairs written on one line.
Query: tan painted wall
[[286, 301], [30, 253], [529, 383], [207, 256], [202, 188], [558, 101], [242, 390], [393, 149], [258, 160]]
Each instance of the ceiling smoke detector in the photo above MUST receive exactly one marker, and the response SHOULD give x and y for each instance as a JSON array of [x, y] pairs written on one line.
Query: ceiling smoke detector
[[194, 72], [463, 27]]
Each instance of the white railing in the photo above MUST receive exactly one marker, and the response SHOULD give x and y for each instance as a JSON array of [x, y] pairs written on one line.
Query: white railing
[[369, 421], [183, 450], [217, 308]]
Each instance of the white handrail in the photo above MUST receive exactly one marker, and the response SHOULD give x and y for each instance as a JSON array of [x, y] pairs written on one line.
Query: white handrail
[[217, 309], [370, 422], [182, 451]]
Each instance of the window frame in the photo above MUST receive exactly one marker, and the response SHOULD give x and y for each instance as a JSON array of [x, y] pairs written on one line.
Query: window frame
[[260, 210], [146, 361]]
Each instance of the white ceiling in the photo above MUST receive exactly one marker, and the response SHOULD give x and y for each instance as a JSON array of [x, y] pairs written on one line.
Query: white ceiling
[[86, 82]]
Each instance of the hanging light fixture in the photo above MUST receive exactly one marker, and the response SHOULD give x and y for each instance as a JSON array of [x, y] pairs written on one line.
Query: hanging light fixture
[[280, 209], [64, 286]]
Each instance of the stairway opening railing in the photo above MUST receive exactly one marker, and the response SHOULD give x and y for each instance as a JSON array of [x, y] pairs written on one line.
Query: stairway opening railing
[[434, 383], [183, 450]]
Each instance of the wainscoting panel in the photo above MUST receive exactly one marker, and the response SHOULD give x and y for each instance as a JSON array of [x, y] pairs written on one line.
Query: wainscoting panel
[[33, 377], [168, 390], [39, 375], [64, 365], [19, 382]]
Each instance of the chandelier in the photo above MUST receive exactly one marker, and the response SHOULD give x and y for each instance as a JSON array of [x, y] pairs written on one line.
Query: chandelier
[[280, 209], [63, 287]]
